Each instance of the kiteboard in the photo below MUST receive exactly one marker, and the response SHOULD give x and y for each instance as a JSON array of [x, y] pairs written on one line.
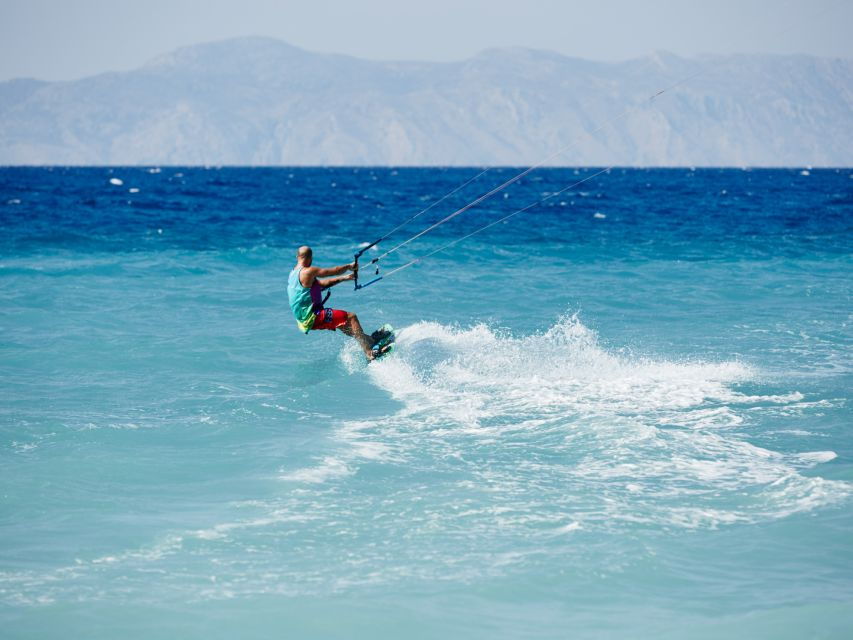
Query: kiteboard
[[383, 341]]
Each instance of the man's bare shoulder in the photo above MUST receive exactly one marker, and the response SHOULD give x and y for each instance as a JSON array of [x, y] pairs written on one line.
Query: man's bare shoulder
[[308, 275]]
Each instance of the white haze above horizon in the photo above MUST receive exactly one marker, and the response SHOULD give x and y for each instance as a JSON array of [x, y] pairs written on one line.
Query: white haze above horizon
[[57, 40]]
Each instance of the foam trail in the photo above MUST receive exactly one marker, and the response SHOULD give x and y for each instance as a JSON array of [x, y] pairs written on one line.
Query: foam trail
[[659, 437], [563, 369]]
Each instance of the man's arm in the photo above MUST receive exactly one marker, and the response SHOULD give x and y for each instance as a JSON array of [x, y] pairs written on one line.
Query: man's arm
[[309, 274], [333, 271], [331, 282]]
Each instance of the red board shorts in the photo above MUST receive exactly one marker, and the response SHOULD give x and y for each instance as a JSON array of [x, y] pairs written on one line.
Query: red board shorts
[[330, 319]]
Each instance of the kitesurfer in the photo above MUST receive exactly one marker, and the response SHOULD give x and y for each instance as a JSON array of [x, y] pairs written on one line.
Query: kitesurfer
[[304, 290]]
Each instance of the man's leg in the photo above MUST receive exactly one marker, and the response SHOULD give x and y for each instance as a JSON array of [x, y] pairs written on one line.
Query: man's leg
[[353, 328]]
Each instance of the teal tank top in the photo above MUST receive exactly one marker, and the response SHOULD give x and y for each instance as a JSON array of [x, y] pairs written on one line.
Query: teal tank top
[[300, 301]]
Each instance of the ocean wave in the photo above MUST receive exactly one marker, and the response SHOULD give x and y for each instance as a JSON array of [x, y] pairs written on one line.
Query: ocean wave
[[507, 454]]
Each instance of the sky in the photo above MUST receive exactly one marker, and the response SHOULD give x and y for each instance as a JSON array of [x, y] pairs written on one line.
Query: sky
[[66, 40]]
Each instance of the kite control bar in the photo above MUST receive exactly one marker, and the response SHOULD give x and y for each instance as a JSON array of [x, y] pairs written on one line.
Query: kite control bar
[[355, 271]]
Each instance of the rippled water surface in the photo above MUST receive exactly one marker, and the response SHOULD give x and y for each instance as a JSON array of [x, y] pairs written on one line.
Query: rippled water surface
[[622, 413]]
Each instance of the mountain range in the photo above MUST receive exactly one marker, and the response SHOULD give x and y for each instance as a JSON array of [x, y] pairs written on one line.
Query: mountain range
[[260, 101]]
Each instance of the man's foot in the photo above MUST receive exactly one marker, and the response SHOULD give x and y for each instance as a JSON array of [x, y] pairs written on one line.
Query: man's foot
[[385, 349], [375, 353]]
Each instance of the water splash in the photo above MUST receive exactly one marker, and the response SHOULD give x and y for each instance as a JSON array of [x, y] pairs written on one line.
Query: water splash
[[555, 419]]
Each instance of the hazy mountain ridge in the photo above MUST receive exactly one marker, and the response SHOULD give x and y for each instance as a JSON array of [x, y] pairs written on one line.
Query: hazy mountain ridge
[[254, 101]]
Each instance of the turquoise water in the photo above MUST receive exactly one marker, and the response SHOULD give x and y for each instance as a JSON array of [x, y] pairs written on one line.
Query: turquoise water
[[625, 413]]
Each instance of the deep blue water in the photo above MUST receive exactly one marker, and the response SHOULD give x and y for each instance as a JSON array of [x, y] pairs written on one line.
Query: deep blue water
[[623, 413]]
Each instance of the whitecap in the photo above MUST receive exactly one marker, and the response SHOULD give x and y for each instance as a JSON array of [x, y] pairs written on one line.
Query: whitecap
[[329, 468], [817, 457], [572, 526]]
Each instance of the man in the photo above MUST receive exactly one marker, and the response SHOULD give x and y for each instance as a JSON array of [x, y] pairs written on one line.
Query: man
[[304, 289]]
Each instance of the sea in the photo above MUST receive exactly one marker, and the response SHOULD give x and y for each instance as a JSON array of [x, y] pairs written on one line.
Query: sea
[[622, 413]]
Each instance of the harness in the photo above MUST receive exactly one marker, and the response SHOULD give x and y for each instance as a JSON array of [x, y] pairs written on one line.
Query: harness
[[326, 297]]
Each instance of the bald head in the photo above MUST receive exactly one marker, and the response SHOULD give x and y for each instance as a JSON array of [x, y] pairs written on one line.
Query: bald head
[[304, 255]]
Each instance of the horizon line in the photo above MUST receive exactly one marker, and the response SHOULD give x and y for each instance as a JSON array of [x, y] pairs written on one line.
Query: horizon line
[[216, 167]]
